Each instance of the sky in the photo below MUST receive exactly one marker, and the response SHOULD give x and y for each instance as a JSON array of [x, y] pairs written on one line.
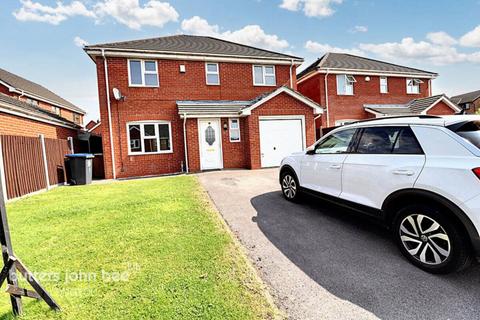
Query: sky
[[42, 39]]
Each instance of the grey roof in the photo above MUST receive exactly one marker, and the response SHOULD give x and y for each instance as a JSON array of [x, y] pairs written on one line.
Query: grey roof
[[466, 97], [33, 88], [192, 44], [416, 106], [205, 107], [334, 60], [14, 104]]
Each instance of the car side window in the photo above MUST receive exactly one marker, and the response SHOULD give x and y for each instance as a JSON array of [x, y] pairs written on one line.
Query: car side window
[[388, 140], [337, 142]]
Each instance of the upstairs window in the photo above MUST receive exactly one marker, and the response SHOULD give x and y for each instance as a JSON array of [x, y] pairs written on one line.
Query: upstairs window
[[149, 138], [142, 73], [413, 86], [234, 130], [212, 73], [345, 84], [56, 110], [383, 85], [264, 76], [76, 118], [32, 102]]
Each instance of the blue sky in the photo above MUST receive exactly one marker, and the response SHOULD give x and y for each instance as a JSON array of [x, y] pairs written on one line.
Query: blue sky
[[44, 37]]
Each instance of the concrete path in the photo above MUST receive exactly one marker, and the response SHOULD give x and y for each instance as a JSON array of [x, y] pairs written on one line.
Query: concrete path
[[322, 262]]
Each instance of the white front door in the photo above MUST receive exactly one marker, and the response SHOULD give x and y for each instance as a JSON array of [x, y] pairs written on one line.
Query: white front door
[[210, 142], [280, 137]]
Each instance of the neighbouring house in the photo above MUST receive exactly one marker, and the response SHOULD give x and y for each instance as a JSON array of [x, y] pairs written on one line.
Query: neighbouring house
[[434, 105], [19, 118], [39, 97], [195, 103], [469, 102], [94, 127], [344, 84]]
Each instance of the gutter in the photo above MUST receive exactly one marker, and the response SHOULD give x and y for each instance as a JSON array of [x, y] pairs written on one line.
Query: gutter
[[326, 98], [185, 141], [109, 114]]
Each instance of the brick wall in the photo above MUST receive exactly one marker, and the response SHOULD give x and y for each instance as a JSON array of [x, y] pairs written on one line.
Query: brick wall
[[236, 83], [282, 104], [441, 109], [343, 107], [13, 125]]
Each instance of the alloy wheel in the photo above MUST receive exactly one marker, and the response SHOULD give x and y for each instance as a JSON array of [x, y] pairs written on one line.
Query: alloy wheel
[[289, 186], [425, 239]]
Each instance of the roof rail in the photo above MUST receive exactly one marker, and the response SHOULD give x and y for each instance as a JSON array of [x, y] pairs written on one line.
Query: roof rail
[[420, 116]]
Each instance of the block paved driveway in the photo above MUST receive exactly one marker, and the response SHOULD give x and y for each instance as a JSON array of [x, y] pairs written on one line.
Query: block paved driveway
[[322, 262]]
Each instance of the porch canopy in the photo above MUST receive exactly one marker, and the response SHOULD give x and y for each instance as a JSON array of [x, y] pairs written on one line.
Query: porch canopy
[[234, 108]]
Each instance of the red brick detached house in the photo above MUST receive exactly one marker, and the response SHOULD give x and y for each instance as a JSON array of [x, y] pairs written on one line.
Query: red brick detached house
[[346, 85], [195, 103], [469, 102], [29, 109]]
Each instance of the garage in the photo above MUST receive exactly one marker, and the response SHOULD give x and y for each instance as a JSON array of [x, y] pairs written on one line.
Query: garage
[[279, 137]]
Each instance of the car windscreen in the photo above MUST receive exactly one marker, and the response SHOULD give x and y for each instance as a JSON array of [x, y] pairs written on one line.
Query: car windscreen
[[470, 131]]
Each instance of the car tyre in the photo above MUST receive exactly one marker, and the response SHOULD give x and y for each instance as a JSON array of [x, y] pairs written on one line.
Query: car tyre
[[431, 240], [290, 186]]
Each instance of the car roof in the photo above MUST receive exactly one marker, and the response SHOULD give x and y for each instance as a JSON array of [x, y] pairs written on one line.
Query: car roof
[[442, 121]]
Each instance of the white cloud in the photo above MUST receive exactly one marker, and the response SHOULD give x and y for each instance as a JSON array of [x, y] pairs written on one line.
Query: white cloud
[[35, 11], [409, 49], [79, 42], [252, 35], [130, 13], [471, 38], [441, 38], [197, 25], [311, 8], [357, 29], [321, 48]]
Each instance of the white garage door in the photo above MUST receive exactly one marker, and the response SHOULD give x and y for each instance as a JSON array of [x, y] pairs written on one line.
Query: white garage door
[[278, 139]]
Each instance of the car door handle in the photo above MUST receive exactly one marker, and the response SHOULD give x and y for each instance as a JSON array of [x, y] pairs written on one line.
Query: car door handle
[[404, 172], [335, 166]]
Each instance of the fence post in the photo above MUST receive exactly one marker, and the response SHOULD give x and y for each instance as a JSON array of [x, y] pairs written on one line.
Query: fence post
[[2, 171], [44, 155], [70, 141]]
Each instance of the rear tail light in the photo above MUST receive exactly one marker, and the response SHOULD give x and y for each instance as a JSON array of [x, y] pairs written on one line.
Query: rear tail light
[[477, 172]]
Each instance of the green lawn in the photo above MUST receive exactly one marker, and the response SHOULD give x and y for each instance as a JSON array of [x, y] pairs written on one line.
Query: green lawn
[[143, 249]]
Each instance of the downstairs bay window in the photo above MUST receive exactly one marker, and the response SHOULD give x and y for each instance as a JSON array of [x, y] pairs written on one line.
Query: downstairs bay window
[[149, 137]]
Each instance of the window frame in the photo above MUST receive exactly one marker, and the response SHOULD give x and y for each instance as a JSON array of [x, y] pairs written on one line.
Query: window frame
[[348, 83], [359, 134], [264, 83], [350, 146], [212, 73], [384, 85], [230, 130], [54, 110], [142, 137], [143, 72], [415, 81], [75, 117]]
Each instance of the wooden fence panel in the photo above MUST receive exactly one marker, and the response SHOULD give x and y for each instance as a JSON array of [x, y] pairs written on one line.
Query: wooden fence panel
[[56, 150], [23, 165]]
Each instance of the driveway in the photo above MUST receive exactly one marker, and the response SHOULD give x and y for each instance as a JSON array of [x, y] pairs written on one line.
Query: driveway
[[322, 262]]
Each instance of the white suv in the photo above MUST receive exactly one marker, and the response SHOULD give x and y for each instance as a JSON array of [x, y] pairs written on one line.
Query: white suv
[[419, 175]]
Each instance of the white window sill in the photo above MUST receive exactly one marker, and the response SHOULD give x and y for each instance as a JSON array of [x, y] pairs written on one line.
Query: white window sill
[[213, 84], [234, 141], [142, 86], [345, 94], [264, 85], [149, 153]]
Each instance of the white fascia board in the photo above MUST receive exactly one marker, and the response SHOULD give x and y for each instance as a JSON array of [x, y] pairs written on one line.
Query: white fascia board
[[33, 117], [205, 57], [377, 114], [378, 73], [94, 127], [317, 109], [210, 115]]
